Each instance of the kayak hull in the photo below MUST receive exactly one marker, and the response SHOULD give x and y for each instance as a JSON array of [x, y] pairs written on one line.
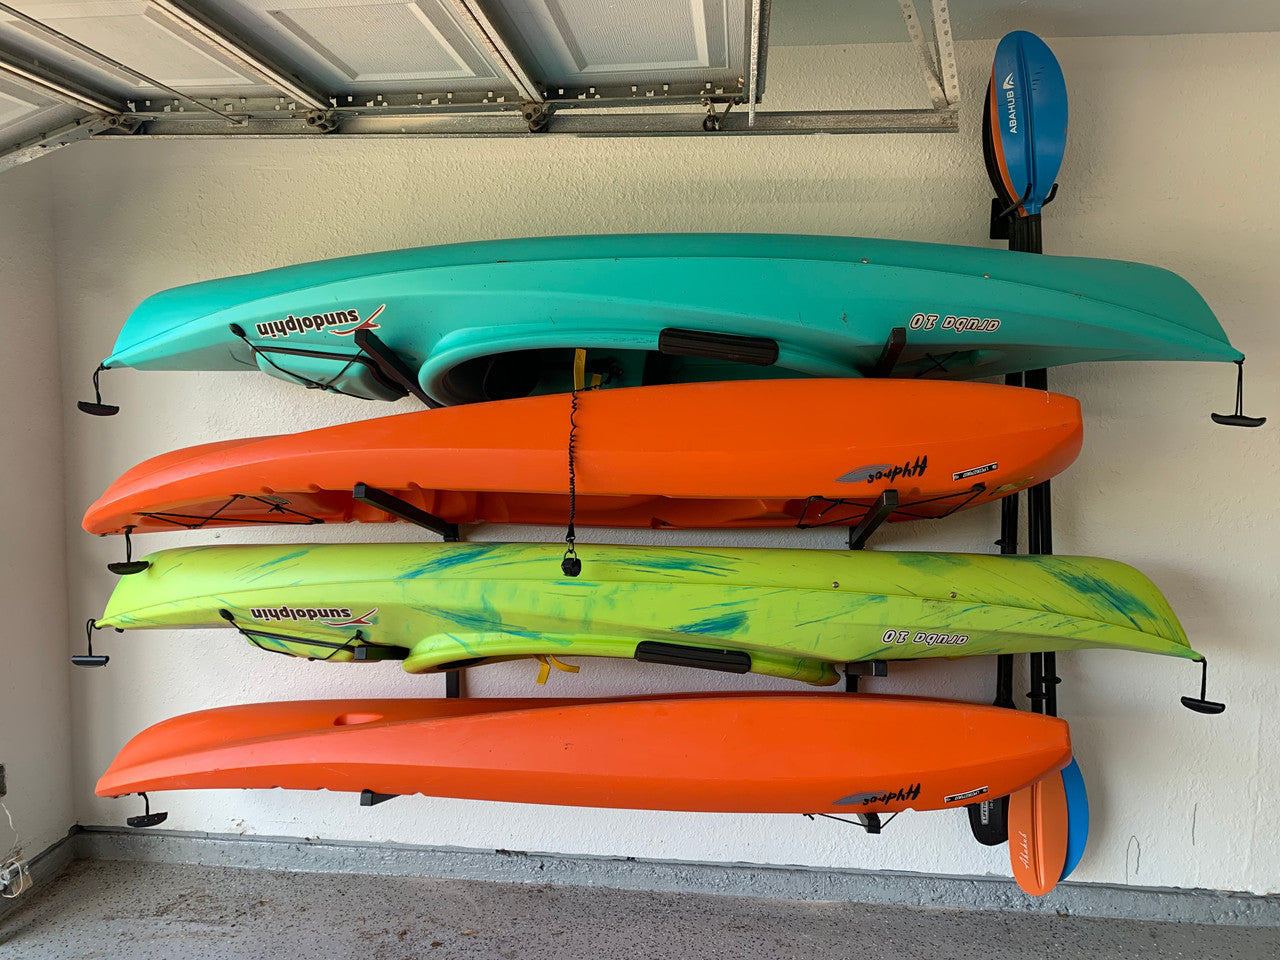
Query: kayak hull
[[742, 454], [783, 612], [501, 319], [750, 753]]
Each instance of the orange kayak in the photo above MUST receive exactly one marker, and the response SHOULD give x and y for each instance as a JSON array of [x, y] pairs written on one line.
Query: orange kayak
[[746, 753], [736, 454]]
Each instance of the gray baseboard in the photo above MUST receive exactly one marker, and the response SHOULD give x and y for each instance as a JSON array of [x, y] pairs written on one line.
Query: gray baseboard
[[737, 879], [45, 868]]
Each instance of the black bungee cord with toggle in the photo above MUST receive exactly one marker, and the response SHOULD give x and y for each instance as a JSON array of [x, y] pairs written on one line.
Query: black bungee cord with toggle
[[570, 565]]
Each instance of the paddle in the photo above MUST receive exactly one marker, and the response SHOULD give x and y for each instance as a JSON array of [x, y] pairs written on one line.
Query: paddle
[[1077, 816], [1038, 831], [1024, 135]]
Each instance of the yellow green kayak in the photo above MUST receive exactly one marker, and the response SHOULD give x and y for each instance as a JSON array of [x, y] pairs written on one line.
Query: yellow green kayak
[[784, 613]]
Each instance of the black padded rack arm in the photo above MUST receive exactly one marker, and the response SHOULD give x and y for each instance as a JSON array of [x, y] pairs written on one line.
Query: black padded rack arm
[[402, 509], [893, 346], [391, 366], [885, 505]]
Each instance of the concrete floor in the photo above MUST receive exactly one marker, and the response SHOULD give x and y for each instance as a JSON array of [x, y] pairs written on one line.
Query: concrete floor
[[143, 911]]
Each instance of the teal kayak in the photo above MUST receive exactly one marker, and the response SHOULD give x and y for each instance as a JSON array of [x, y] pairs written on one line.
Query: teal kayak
[[502, 319]]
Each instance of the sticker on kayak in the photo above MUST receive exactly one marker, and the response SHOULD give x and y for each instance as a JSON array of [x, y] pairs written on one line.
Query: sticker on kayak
[[931, 321], [348, 321], [921, 636], [866, 799], [975, 471], [965, 796], [327, 616], [885, 471]]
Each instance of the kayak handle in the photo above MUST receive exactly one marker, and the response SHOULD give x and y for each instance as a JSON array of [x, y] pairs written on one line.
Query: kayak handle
[[147, 819], [128, 566], [97, 408], [757, 351], [1238, 419], [673, 654], [91, 659], [1200, 704]]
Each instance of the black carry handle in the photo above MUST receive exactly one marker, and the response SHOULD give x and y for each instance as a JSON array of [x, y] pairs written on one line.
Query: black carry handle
[[757, 351], [1238, 419], [1200, 704], [97, 408], [128, 566], [90, 659], [726, 661], [147, 819]]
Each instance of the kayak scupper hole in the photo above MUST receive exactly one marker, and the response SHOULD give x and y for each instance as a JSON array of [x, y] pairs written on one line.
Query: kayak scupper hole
[[353, 719]]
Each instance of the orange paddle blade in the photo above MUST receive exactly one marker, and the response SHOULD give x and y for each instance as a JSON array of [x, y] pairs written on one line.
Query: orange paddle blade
[[736, 454], [1038, 834], [749, 753]]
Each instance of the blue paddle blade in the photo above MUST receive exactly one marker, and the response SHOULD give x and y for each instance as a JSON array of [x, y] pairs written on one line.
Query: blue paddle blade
[[1077, 816], [1027, 117]]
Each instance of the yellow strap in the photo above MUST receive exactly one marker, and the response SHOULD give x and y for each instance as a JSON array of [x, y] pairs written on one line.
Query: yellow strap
[[547, 661], [579, 368], [595, 381]]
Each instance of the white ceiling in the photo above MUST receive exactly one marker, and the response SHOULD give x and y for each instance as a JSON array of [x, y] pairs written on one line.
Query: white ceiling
[[815, 22]]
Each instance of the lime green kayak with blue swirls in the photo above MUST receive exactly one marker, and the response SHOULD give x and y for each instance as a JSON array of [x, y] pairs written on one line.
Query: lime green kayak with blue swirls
[[785, 613]]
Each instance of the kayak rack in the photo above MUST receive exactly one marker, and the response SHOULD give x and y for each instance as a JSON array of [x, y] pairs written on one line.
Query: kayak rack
[[452, 691], [403, 510], [893, 347], [857, 669], [391, 366], [885, 504], [870, 822]]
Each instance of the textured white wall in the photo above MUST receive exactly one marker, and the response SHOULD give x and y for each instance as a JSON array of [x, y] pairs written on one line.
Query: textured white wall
[[35, 712], [1172, 160]]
